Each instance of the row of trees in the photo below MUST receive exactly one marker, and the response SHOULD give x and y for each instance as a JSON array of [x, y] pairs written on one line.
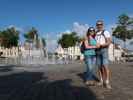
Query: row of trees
[[10, 37], [123, 31]]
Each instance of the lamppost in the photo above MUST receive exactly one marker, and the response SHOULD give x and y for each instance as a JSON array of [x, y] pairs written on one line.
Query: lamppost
[[113, 46], [125, 40]]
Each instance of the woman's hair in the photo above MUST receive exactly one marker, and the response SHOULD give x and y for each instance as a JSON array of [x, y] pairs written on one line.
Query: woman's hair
[[89, 30]]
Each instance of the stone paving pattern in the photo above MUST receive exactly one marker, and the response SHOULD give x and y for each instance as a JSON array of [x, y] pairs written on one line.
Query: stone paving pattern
[[62, 82]]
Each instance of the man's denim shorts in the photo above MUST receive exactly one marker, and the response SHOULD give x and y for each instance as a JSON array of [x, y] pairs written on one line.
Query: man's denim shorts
[[102, 57]]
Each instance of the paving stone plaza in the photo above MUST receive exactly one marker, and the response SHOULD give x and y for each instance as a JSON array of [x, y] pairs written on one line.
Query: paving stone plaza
[[62, 82]]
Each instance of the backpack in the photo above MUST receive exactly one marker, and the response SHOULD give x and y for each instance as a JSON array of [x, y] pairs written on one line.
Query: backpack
[[82, 47], [102, 33]]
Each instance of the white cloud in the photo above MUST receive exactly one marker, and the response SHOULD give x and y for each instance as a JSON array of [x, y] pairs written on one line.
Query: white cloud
[[52, 39], [80, 29], [16, 27], [58, 35], [67, 31], [110, 27]]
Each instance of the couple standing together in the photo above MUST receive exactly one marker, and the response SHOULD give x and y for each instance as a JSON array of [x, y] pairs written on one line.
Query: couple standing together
[[96, 53]]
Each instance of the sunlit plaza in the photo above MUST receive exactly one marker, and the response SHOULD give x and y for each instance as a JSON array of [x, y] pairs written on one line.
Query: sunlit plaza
[[47, 49]]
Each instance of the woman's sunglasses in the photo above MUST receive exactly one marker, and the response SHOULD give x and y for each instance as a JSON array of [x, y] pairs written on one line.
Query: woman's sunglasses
[[92, 31]]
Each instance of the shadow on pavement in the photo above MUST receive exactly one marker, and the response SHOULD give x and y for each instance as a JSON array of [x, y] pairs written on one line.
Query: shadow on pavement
[[82, 76], [64, 90], [36, 86], [6, 68], [16, 86]]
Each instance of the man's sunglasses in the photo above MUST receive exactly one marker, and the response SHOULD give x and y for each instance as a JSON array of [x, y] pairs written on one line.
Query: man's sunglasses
[[99, 24]]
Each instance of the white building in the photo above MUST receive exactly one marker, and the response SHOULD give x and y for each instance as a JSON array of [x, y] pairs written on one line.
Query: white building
[[114, 52], [71, 52]]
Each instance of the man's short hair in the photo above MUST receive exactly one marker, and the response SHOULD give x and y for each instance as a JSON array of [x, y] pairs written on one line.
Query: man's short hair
[[99, 22]]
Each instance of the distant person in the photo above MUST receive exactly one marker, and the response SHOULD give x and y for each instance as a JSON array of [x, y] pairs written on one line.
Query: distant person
[[82, 50], [103, 37], [88, 49]]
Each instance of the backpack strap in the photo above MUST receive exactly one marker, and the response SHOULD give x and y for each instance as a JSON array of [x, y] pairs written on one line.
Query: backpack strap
[[102, 33]]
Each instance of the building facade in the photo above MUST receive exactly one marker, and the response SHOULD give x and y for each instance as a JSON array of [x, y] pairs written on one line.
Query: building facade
[[114, 52]]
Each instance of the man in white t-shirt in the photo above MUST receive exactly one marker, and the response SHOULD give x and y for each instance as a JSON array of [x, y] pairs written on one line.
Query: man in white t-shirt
[[103, 38]]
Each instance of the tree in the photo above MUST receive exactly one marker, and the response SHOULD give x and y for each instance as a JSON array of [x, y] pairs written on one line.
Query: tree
[[9, 37], [68, 40], [32, 37], [121, 31]]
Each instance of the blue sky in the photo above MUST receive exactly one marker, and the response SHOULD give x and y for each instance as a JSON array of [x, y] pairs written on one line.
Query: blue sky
[[54, 16]]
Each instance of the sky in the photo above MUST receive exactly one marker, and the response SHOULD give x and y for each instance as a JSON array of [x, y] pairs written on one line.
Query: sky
[[52, 17]]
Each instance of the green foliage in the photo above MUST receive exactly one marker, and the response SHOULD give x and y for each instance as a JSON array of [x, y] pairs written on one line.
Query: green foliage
[[9, 37], [121, 31], [31, 35], [68, 40], [123, 20]]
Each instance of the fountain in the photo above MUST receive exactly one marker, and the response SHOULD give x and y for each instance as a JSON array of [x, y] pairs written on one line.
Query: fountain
[[31, 56]]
